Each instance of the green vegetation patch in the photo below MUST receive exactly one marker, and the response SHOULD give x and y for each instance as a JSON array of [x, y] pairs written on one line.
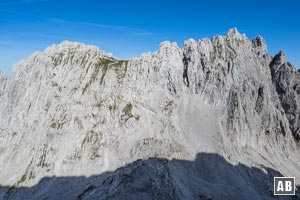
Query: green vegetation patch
[[234, 106], [235, 99], [99, 103], [112, 108], [127, 113], [169, 105], [78, 122], [42, 160], [57, 59], [58, 124], [228, 43], [156, 68], [102, 64], [92, 140], [120, 68], [27, 175], [222, 67], [85, 59], [76, 156]]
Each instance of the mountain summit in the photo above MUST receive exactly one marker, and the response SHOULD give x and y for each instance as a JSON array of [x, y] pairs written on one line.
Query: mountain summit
[[216, 119]]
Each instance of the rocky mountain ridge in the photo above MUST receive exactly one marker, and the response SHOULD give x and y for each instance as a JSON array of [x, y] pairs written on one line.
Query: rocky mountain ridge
[[74, 110]]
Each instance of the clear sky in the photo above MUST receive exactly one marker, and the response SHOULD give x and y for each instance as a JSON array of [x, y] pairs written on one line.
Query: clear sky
[[129, 28]]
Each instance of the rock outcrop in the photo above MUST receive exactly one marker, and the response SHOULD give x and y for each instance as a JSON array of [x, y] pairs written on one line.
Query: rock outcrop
[[74, 110], [287, 83]]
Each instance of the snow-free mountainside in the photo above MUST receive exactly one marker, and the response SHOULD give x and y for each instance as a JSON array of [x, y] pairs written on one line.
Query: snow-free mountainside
[[214, 120]]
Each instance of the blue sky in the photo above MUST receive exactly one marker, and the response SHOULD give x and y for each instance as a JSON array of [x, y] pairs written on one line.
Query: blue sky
[[129, 28]]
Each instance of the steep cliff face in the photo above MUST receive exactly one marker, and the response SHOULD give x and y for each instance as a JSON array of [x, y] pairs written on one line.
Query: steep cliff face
[[2, 83], [74, 110], [287, 83], [233, 72]]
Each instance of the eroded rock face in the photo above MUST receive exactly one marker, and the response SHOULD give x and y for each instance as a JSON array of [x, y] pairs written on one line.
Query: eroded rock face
[[2, 83], [74, 110], [287, 83]]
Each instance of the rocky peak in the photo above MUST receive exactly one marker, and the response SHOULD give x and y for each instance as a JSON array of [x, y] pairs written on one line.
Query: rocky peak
[[68, 45], [190, 46], [205, 47], [281, 72], [167, 46], [258, 42], [234, 34], [260, 45], [287, 83], [279, 59], [74, 53]]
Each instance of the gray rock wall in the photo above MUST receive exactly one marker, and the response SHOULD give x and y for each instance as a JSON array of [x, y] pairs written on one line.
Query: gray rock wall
[[75, 110]]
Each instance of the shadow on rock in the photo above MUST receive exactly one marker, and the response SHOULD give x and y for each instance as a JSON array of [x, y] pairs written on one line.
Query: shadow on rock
[[208, 177]]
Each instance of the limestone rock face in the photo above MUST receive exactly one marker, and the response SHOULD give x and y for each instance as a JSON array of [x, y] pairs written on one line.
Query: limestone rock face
[[2, 83], [287, 83], [166, 125]]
